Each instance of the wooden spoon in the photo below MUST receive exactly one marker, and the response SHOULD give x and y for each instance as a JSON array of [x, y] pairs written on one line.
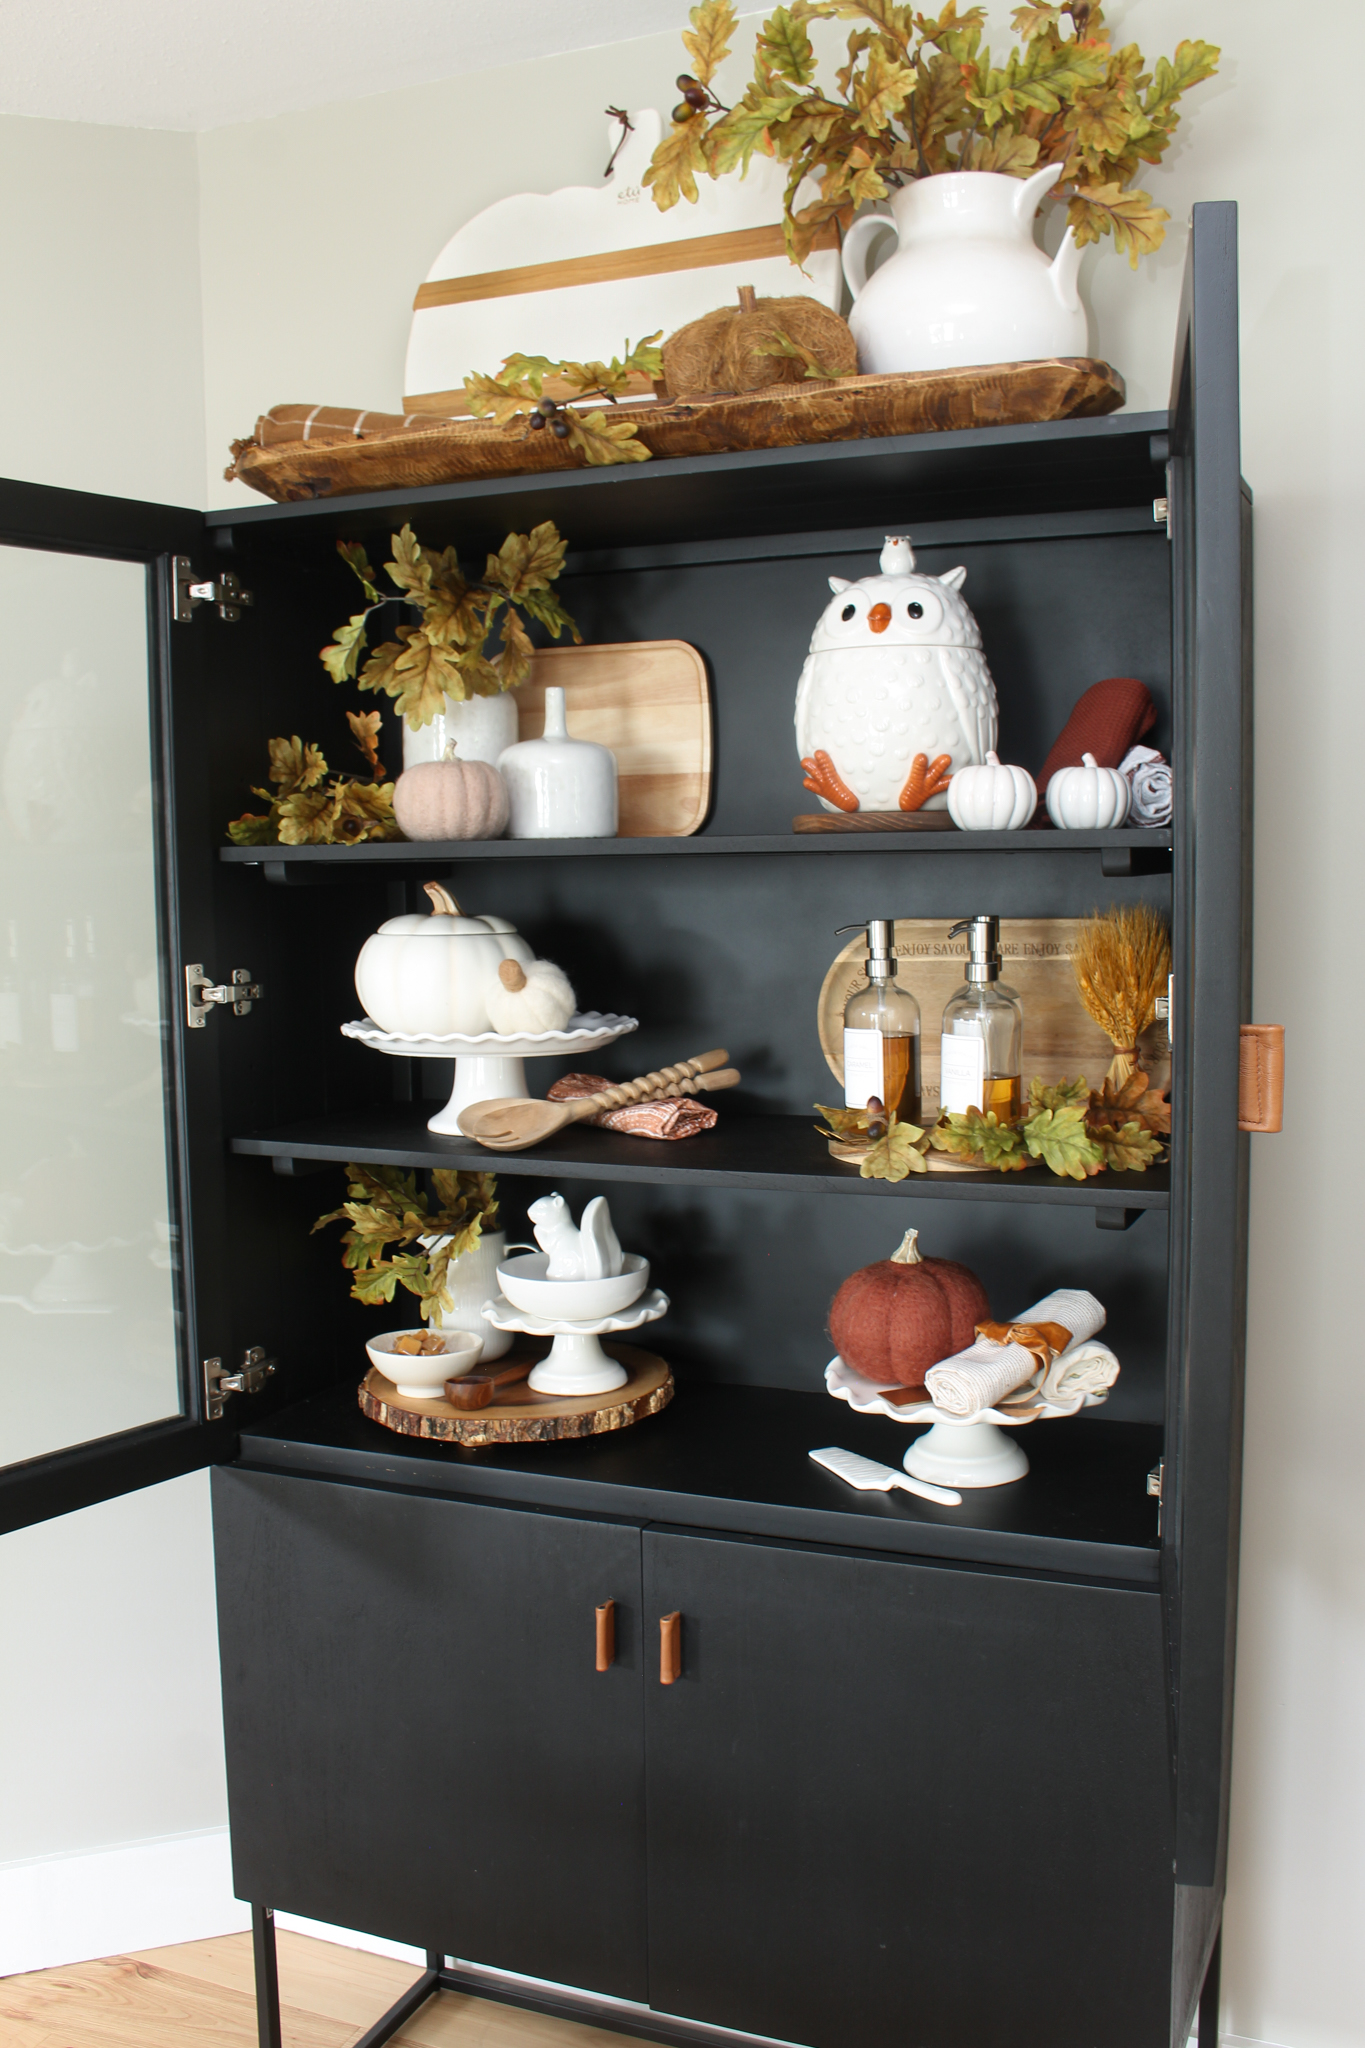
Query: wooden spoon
[[511, 1123]]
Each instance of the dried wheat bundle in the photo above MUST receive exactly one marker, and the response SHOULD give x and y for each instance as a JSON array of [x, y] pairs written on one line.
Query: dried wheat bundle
[[1121, 963]]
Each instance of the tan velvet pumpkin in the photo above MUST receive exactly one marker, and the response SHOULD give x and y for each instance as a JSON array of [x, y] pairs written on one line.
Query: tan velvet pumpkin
[[451, 799], [723, 350], [892, 1321]]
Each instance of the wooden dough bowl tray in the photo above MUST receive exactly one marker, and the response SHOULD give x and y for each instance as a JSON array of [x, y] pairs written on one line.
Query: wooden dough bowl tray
[[783, 416], [523, 1417]]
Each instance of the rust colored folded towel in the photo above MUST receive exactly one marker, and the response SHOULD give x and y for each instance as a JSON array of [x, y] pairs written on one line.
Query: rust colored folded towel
[[672, 1116], [1108, 719]]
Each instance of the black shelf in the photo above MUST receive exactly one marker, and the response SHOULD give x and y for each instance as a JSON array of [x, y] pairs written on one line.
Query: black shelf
[[1063, 465], [737, 1459], [777, 1153], [1131, 849]]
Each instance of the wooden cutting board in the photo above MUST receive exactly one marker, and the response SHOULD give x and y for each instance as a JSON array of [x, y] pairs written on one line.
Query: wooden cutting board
[[525, 1418], [1060, 1039], [650, 702]]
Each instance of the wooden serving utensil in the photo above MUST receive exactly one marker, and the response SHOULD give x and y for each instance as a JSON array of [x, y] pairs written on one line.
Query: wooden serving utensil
[[511, 1123], [476, 1389]]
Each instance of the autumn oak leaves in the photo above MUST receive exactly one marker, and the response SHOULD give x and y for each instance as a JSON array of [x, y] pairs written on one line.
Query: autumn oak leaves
[[920, 95], [444, 655]]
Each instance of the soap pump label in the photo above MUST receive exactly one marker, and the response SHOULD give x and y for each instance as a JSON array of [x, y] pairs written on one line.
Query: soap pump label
[[864, 1073], [962, 1073]]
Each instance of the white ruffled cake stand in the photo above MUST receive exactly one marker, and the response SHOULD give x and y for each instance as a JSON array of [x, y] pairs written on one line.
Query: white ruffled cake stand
[[577, 1364], [959, 1450], [489, 1064]]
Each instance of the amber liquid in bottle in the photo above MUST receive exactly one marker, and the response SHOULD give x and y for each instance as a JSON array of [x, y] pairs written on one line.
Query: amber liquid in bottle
[[900, 1068], [1005, 1097]]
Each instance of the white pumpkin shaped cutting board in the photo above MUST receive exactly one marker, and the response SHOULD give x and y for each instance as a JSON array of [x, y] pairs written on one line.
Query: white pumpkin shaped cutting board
[[574, 274]]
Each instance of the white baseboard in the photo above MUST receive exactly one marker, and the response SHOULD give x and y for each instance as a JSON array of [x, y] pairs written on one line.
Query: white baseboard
[[56, 1910], [104, 1902]]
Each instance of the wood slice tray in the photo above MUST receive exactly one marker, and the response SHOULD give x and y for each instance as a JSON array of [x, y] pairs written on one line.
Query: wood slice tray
[[522, 1417], [650, 702], [388, 453]]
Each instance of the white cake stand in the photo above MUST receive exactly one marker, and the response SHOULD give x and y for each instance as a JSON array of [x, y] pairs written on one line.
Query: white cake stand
[[577, 1364], [960, 1450], [489, 1064]]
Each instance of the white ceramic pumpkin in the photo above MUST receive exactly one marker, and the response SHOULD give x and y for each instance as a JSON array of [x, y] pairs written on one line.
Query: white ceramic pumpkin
[[529, 999], [992, 797], [1088, 798], [426, 977], [451, 799]]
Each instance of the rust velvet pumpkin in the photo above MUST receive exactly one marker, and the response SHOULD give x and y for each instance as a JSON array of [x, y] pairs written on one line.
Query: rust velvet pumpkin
[[451, 799], [726, 350], [892, 1321]]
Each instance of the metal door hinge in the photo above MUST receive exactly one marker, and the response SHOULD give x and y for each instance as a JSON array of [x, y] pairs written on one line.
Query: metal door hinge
[[201, 994], [1161, 514], [250, 1376], [227, 592]]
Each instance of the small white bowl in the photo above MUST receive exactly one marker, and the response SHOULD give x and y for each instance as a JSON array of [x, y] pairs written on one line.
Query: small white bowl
[[421, 1377], [571, 1301]]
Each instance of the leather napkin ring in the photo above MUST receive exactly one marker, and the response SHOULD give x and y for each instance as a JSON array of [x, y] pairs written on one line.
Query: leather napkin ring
[[1044, 1340]]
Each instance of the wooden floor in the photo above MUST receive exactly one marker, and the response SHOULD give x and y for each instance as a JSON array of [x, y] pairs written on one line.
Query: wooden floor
[[200, 1995]]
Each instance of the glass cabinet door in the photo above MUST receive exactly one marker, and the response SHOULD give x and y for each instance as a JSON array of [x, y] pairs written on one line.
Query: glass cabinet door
[[88, 1238], [98, 1388]]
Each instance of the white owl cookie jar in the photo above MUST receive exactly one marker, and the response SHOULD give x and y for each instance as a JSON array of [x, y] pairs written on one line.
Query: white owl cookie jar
[[895, 695]]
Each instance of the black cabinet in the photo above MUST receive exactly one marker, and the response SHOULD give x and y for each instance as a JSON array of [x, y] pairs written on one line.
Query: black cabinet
[[930, 1775], [419, 1742]]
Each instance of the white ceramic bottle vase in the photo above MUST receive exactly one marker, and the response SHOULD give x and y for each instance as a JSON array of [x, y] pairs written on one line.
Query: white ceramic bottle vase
[[560, 788], [482, 728], [968, 283]]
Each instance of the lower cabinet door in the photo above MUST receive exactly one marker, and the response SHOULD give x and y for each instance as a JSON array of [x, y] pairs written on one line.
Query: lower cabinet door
[[905, 1806], [419, 1743]]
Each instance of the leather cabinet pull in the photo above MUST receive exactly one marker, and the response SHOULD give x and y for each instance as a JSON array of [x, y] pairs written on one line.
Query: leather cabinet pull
[[670, 1648], [606, 1635], [1260, 1078]]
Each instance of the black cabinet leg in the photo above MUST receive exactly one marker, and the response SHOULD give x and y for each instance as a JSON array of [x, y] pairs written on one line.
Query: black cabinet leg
[[1210, 1996], [267, 1978]]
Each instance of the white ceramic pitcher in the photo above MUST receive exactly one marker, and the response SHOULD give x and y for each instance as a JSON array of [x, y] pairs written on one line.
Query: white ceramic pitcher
[[968, 283]]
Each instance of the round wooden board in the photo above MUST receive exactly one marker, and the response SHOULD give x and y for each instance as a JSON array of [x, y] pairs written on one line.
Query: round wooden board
[[527, 1418]]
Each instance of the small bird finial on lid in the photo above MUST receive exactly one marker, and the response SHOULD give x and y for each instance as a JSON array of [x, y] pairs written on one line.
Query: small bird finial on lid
[[897, 557]]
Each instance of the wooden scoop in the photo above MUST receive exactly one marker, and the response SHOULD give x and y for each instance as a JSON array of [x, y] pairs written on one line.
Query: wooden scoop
[[511, 1123]]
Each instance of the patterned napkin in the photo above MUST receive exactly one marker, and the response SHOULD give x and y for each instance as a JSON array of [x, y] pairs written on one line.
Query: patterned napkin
[[671, 1116]]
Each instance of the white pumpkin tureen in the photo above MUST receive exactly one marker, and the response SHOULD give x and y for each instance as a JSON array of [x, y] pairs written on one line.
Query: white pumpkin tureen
[[895, 672], [426, 977]]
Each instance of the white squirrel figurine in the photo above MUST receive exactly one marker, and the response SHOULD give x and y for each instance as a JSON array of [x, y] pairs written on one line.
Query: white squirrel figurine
[[590, 1252]]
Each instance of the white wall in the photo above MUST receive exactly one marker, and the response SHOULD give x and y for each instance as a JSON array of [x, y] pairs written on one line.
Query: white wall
[[316, 229]]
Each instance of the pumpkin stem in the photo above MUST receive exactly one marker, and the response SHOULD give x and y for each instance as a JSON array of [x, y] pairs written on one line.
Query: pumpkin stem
[[512, 975], [450, 751], [907, 1252], [748, 299], [443, 904]]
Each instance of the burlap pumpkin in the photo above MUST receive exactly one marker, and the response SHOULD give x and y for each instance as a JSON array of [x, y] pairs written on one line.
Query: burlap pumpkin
[[892, 1321], [721, 351]]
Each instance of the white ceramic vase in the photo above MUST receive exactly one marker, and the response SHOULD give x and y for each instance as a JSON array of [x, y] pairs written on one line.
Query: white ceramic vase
[[968, 283], [482, 728], [472, 1279], [560, 788]]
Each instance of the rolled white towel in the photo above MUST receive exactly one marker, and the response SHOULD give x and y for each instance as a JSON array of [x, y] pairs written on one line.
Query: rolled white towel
[[1079, 1377], [1073, 1308], [975, 1379]]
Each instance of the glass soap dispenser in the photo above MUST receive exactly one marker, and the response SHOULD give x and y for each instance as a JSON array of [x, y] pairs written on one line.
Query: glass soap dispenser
[[982, 1047], [881, 1032]]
